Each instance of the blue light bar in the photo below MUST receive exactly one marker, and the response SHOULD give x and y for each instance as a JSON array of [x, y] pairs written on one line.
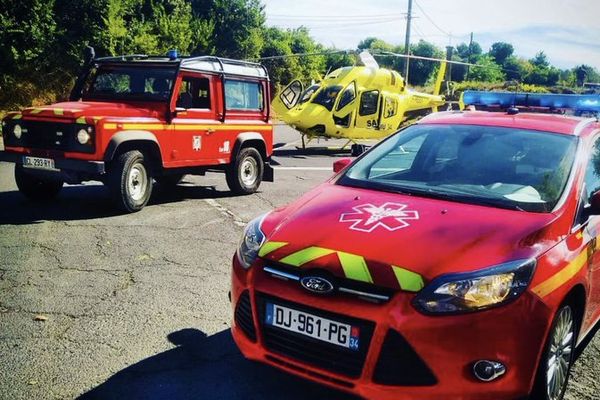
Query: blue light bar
[[580, 103], [172, 54]]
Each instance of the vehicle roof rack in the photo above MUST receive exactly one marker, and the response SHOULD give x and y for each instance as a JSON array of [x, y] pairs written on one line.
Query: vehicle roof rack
[[578, 104], [225, 66]]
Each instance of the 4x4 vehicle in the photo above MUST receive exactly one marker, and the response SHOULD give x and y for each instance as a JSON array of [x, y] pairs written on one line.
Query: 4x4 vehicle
[[457, 259], [132, 119]]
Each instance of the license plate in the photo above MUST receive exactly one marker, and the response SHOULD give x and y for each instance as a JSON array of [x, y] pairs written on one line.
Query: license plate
[[38, 163], [323, 329]]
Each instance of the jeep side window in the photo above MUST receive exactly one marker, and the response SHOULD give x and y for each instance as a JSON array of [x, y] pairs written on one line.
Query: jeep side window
[[194, 93], [243, 96]]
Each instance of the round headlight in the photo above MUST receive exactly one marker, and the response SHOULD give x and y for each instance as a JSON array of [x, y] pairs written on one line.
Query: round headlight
[[18, 131], [83, 137]]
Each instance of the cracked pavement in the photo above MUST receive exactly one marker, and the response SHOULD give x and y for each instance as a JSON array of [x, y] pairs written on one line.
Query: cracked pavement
[[98, 305]]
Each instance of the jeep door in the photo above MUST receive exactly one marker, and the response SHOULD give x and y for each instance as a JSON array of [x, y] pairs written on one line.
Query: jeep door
[[195, 119]]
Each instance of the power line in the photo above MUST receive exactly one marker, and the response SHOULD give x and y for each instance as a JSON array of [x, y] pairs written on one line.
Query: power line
[[431, 20], [329, 17]]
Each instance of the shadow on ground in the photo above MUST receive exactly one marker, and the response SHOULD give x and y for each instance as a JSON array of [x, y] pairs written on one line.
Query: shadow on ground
[[205, 367], [81, 202]]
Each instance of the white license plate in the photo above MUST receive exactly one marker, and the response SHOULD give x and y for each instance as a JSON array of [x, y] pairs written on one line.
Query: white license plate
[[38, 163], [307, 324]]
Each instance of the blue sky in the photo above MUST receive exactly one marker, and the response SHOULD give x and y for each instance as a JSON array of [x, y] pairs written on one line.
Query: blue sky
[[568, 31]]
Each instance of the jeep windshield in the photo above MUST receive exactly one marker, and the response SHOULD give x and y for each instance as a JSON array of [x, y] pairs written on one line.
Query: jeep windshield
[[500, 167], [130, 82]]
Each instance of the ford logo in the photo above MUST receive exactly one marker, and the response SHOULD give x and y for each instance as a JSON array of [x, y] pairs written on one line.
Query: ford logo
[[316, 284]]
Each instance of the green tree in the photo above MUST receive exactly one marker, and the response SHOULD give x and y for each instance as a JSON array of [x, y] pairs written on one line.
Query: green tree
[[486, 70], [238, 26], [501, 51]]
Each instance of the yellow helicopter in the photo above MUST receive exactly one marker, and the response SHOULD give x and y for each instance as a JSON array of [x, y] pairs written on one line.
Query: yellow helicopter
[[356, 103]]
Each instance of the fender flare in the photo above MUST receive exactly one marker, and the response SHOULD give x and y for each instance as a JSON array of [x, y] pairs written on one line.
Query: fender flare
[[245, 137], [128, 136]]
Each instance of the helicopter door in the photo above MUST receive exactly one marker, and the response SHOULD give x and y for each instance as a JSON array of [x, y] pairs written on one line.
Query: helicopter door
[[369, 116], [344, 110], [288, 97]]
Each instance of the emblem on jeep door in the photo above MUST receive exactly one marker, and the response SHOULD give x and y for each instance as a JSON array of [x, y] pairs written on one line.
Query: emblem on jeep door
[[316, 284], [368, 217]]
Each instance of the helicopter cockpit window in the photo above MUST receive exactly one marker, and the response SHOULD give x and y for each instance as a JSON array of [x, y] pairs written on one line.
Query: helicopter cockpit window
[[326, 96], [368, 102], [348, 96], [308, 93]]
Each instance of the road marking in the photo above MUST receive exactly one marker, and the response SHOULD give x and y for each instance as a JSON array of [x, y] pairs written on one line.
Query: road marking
[[224, 211], [304, 169]]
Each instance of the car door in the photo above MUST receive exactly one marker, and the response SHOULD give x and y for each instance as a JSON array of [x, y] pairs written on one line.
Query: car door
[[195, 120], [592, 230]]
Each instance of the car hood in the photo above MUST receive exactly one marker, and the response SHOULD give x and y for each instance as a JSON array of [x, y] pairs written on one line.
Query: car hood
[[95, 110], [386, 238]]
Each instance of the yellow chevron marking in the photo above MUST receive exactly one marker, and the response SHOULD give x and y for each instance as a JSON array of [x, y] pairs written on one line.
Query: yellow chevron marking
[[309, 254], [36, 111], [80, 120], [59, 111], [355, 267], [562, 276], [408, 280], [270, 247], [17, 116]]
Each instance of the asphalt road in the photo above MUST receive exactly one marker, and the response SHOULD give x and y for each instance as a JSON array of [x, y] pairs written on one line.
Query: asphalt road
[[96, 305]]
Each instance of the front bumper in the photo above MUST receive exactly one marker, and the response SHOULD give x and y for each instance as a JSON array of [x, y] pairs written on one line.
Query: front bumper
[[447, 346], [63, 164]]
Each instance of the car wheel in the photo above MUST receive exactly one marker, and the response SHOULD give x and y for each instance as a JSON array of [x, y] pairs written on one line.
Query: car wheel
[[557, 359], [169, 181], [36, 188], [130, 181], [245, 174]]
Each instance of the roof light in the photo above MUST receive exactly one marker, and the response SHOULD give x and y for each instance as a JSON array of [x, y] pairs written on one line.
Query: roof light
[[580, 103], [172, 54]]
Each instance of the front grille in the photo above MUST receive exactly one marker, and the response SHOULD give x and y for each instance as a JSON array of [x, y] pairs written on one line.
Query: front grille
[[400, 365], [243, 316], [321, 354], [44, 135]]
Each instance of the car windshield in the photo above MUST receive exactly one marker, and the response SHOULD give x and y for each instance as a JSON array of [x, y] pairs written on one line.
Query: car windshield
[[326, 96], [500, 167], [136, 83]]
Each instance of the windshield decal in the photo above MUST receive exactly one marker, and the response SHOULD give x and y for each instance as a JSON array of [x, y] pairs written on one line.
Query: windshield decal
[[368, 217]]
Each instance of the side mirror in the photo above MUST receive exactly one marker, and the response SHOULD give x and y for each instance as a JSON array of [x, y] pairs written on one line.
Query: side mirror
[[341, 164]]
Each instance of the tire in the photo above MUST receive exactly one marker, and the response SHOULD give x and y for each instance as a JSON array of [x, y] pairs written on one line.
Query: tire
[[245, 174], [560, 346], [169, 181], [36, 188], [130, 181]]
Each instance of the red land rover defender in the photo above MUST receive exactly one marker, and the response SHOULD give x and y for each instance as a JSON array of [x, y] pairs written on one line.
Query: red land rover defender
[[132, 119]]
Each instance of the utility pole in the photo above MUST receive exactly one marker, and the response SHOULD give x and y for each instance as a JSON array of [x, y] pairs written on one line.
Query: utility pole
[[407, 40], [469, 59]]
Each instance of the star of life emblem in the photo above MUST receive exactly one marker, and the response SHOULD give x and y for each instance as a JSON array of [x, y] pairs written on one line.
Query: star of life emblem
[[368, 217]]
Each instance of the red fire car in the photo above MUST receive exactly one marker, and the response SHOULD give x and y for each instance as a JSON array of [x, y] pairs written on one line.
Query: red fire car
[[136, 118], [457, 259]]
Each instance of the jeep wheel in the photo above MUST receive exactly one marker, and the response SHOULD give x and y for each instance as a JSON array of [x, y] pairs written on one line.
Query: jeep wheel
[[557, 359], [169, 181], [35, 187], [130, 181], [245, 174]]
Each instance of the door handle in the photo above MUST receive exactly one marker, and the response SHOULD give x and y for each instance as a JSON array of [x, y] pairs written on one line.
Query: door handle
[[210, 131]]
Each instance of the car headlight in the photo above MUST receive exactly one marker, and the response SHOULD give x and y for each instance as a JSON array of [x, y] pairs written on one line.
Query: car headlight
[[17, 131], [83, 136], [251, 241], [475, 291]]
